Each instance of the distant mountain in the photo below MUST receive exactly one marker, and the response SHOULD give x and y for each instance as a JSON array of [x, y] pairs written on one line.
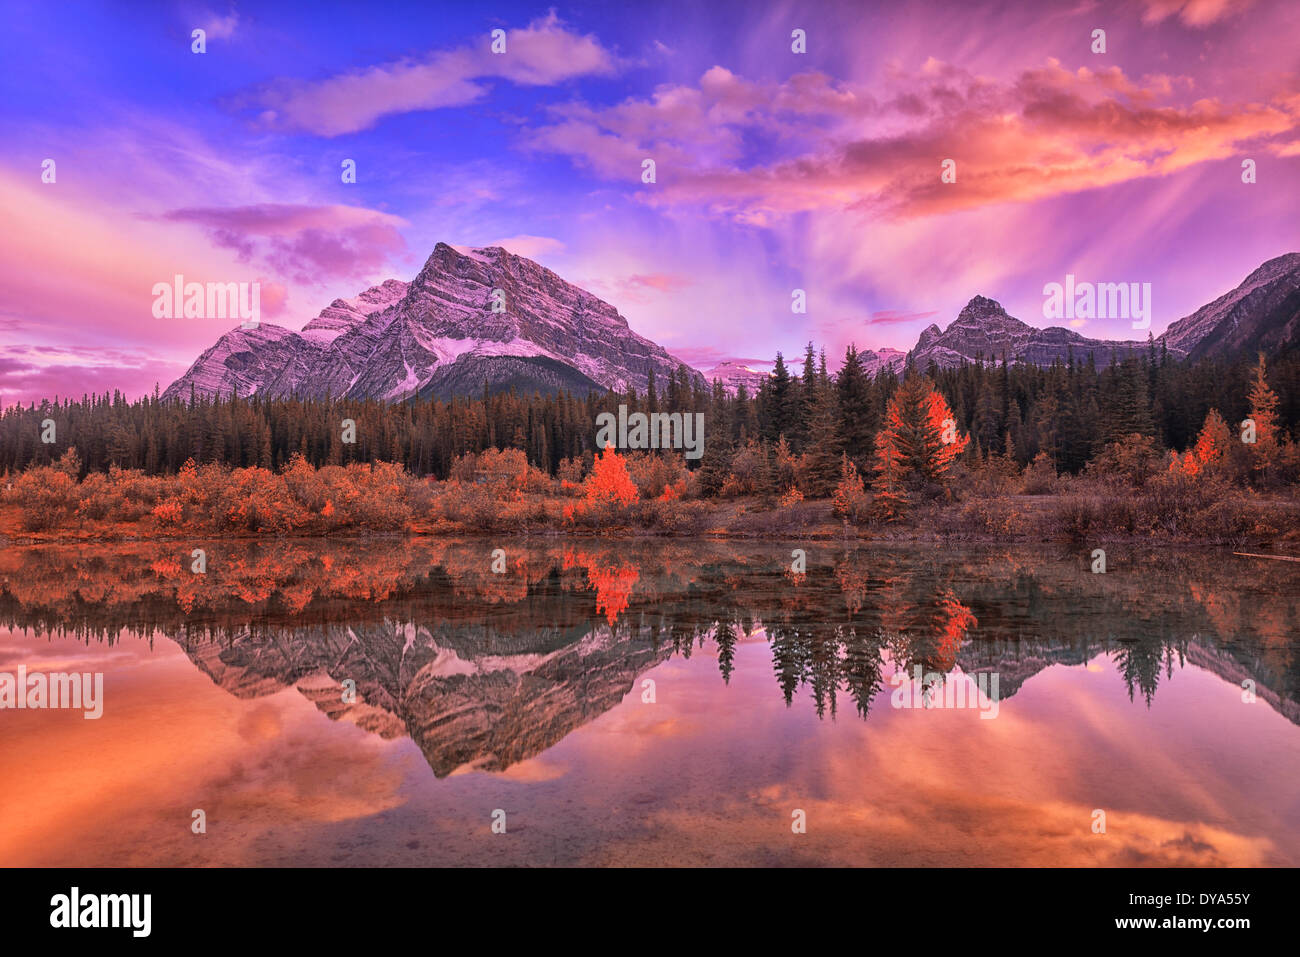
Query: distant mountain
[[983, 328], [874, 361], [1263, 313], [733, 374], [439, 335]]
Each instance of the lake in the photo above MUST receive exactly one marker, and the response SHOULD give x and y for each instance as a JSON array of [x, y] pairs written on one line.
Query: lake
[[607, 702]]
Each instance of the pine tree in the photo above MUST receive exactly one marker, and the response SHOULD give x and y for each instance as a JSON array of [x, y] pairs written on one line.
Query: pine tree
[[891, 497], [923, 428], [849, 500], [1266, 450], [777, 402], [857, 413], [987, 423], [820, 463]]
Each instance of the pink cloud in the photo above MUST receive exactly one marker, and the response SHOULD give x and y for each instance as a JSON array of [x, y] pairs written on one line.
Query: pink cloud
[[274, 298], [309, 244], [34, 373], [657, 281], [530, 247], [892, 317], [77, 274], [1047, 132], [1194, 13], [639, 287]]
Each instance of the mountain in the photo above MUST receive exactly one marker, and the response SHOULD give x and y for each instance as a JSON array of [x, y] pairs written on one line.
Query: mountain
[[983, 328], [877, 361], [439, 335], [733, 374], [343, 314], [1262, 314]]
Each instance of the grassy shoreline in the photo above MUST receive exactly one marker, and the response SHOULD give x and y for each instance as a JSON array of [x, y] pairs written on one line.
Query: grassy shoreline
[[1263, 522]]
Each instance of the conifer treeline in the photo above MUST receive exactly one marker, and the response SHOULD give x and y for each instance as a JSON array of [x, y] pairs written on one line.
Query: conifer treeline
[[1068, 410]]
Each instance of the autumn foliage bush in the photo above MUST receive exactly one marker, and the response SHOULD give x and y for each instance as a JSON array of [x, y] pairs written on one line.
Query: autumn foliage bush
[[850, 501], [488, 508], [496, 490], [653, 474], [611, 498], [1171, 506], [500, 468], [607, 493], [214, 498], [46, 496]]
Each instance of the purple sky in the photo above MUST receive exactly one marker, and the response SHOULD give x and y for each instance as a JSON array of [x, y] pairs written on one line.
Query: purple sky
[[775, 170]]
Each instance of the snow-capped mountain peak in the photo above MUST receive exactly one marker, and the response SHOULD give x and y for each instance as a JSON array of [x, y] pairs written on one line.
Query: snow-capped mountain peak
[[468, 316]]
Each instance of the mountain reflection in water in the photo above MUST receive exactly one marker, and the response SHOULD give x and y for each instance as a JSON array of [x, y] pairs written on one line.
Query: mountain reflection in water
[[486, 671]]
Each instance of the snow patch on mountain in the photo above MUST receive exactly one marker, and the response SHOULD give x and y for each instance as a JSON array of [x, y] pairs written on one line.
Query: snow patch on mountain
[[396, 338]]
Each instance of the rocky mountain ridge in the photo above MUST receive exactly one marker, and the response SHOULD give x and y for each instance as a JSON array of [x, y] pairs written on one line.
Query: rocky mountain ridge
[[469, 317], [486, 316]]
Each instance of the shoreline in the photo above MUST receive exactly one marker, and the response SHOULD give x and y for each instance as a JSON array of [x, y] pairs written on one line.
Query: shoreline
[[731, 520]]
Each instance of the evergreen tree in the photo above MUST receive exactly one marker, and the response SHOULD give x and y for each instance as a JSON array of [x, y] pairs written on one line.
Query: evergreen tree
[[857, 414], [778, 403]]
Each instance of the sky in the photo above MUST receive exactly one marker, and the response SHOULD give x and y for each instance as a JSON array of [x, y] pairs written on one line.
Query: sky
[[775, 170]]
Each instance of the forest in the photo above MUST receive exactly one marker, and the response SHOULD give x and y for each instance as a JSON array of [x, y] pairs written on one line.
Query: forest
[[873, 449]]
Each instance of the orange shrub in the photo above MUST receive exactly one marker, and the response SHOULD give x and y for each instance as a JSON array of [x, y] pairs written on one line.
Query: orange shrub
[[850, 501], [46, 497], [654, 473], [257, 500], [606, 494]]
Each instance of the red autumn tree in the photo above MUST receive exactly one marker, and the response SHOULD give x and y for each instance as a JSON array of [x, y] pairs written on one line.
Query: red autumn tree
[[1211, 445], [610, 481], [1267, 448], [607, 490], [850, 499], [918, 443], [891, 494]]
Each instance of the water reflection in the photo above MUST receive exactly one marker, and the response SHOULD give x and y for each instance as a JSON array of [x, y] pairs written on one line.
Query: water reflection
[[484, 669], [527, 691]]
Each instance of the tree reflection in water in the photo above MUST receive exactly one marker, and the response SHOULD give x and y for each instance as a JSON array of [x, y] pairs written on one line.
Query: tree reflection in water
[[493, 667]]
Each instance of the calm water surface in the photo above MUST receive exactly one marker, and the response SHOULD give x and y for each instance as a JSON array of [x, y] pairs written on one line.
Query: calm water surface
[[650, 704]]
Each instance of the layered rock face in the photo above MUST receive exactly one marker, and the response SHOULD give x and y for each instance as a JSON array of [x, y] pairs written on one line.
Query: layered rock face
[[446, 332], [464, 706], [440, 336], [983, 329], [1263, 313]]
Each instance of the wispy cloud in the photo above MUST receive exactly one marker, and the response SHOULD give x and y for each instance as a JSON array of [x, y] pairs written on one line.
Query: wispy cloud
[[541, 54], [1194, 13], [308, 244], [1048, 131], [33, 373], [219, 27], [891, 317]]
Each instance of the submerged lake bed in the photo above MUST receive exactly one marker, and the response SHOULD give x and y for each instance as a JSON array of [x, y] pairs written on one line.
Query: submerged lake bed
[[604, 702]]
